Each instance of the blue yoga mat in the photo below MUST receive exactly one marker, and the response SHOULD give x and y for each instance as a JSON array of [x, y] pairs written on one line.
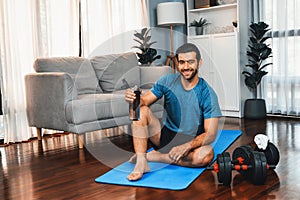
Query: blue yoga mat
[[166, 176]]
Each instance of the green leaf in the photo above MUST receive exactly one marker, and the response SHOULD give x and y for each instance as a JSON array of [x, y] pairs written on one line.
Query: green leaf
[[252, 61], [253, 40], [141, 43], [265, 65], [266, 52], [148, 45], [249, 80], [253, 55], [138, 35], [259, 46], [247, 74], [258, 76], [143, 31], [147, 32], [255, 34], [147, 39]]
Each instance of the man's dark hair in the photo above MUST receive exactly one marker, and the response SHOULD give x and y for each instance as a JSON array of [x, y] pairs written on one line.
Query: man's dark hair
[[188, 47]]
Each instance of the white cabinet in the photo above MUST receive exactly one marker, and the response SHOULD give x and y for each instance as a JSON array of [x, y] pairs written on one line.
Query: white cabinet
[[220, 51], [225, 63]]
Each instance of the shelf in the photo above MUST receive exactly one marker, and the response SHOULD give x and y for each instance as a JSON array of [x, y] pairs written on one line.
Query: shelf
[[213, 8], [215, 34]]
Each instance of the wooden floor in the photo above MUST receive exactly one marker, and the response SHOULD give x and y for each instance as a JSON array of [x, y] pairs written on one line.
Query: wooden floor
[[55, 168]]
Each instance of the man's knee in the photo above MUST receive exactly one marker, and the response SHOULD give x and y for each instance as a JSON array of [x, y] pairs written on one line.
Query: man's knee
[[145, 115], [203, 156]]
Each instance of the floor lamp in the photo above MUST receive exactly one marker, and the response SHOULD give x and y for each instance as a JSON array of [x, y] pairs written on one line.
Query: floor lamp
[[171, 14]]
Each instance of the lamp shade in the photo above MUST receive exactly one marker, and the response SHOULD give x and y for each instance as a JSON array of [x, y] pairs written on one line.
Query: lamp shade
[[170, 13]]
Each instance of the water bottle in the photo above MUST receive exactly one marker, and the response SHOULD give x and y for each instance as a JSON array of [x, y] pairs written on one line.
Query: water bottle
[[134, 107]]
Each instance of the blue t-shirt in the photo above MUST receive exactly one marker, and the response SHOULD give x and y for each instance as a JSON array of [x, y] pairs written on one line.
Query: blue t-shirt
[[185, 110]]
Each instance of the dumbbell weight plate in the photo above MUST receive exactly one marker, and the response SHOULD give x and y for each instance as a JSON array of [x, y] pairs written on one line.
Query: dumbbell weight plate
[[244, 152], [227, 169], [258, 172], [274, 159], [220, 162], [271, 153], [264, 164]]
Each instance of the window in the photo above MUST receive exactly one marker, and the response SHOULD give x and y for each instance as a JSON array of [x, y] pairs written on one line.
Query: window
[[282, 84]]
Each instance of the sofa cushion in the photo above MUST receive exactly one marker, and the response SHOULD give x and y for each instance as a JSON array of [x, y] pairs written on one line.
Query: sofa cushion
[[92, 107], [112, 69], [80, 69]]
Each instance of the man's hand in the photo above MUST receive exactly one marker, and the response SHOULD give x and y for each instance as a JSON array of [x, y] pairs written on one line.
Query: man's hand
[[129, 95], [180, 151]]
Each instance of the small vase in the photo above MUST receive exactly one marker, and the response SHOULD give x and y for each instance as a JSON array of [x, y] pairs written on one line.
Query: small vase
[[199, 30]]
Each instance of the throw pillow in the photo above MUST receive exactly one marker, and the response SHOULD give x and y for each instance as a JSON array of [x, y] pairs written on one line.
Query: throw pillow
[[112, 69], [80, 69]]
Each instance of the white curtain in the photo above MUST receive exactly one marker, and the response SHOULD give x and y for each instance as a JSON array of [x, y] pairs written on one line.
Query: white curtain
[[281, 86], [108, 25], [57, 27], [31, 29], [46, 28]]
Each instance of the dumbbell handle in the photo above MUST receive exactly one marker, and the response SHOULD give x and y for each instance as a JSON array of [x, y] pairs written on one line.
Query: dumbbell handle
[[246, 167], [239, 161], [241, 167], [215, 167]]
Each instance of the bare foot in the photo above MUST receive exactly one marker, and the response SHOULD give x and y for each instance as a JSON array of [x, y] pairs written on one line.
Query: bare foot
[[140, 168]]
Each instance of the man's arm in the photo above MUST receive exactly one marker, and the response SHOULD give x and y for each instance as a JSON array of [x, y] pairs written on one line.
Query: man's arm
[[146, 99], [206, 138], [209, 135]]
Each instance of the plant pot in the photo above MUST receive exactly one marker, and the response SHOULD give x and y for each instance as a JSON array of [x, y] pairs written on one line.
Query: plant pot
[[199, 30], [255, 109]]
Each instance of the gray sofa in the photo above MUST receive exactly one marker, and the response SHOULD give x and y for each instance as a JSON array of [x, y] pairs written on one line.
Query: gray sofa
[[80, 95]]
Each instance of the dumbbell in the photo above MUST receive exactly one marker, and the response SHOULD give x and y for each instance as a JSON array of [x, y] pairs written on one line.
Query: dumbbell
[[254, 167], [256, 162], [271, 153]]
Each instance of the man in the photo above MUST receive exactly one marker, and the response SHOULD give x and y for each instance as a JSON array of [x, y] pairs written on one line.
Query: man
[[190, 120]]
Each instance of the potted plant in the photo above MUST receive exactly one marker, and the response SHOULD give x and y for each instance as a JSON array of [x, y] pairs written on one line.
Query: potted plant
[[199, 25], [147, 54], [257, 53]]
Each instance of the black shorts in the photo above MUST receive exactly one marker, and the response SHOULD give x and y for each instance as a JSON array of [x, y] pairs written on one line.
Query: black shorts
[[170, 139]]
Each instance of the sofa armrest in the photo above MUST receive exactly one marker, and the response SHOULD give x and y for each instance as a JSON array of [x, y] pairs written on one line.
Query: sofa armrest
[[149, 75], [46, 97]]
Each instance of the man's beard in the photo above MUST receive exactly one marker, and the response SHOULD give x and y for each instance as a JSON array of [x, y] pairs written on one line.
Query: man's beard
[[194, 73]]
